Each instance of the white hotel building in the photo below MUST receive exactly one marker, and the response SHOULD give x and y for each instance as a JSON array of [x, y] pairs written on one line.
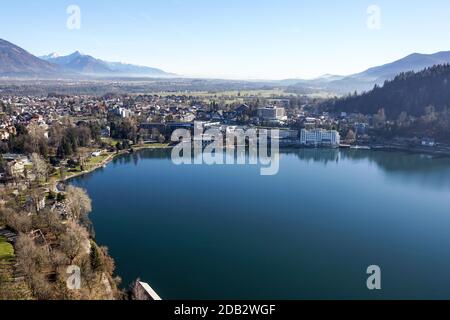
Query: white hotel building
[[320, 137]]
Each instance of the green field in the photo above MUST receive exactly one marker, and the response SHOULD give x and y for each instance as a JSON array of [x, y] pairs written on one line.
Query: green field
[[151, 146], [231, 96], [6, 250], [240, 96]]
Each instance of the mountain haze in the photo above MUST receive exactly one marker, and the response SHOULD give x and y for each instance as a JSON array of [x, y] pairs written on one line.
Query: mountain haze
[[367, 79], [88, 65], [16, 62], [80, 63]]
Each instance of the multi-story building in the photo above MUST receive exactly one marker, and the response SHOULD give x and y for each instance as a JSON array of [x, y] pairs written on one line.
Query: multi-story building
[[272, 114], [123, 113], [320, 137]]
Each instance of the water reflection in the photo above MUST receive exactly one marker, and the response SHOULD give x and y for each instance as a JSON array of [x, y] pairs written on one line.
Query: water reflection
[[426, 170], [214, 232]]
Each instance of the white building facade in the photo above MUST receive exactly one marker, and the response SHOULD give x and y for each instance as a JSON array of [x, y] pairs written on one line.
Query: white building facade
[[320, 137]]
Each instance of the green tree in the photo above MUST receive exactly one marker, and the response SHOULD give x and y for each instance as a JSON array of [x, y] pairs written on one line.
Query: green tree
[[96, 257]]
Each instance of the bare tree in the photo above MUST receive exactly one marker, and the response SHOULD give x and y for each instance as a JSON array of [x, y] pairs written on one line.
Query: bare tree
[[18, 221], [380, 118], [40, 167], [56, 134], [50, 221], [73, 240], [37, 133], [80, 204], [62, 173], [31, 257], [402, 118], [351, 136], [41, 287], [37, 197]]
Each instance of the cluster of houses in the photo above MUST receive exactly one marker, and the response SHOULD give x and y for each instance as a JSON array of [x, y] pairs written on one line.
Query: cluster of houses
[[201, 130], [163, 114], [38, 112], [167, 113]]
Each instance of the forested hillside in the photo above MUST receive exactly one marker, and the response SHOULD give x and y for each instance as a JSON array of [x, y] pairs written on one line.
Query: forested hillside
[[409, 93]]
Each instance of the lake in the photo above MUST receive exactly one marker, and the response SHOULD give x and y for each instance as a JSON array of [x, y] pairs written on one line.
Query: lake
[[309, 232]]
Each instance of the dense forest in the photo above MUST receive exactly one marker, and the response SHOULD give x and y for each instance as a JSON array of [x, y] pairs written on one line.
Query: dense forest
[[409, 93]]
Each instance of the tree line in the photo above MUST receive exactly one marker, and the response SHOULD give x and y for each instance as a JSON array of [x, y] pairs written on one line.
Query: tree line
[[409, 92]]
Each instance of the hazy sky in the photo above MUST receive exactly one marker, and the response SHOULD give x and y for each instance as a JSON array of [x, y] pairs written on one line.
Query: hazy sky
[[248, 39]]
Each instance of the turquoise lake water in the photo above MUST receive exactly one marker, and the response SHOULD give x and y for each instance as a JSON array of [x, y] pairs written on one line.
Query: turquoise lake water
[[309, 232]]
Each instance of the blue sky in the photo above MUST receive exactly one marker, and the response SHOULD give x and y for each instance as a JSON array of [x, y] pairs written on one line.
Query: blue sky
[[242, 39]]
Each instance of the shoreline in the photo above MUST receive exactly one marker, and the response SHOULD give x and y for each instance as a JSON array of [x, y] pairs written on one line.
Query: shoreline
[[112, 156], [108, 160], [388, 148], [102, 164], [416, 150], [147, 275]]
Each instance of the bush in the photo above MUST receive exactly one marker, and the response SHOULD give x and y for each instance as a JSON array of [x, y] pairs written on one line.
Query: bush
[[60, 197], [72, 163]]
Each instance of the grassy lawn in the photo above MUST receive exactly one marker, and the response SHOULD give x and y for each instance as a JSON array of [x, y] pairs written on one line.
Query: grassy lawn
[[112, 142], [6, 250], [93, 161], [152, 145], [69, 173], [88, 165]]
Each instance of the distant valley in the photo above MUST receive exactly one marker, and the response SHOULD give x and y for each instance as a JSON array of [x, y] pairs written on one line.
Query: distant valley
[[16, 62]]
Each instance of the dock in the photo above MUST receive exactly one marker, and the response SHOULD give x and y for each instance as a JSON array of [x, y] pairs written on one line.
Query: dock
[[144, 292]]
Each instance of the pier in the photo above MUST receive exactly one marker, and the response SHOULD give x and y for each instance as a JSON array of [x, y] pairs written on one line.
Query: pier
[[143, 291]]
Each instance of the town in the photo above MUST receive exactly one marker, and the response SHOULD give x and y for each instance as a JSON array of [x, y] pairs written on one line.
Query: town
[[203, 151], [78, 132], [47, 140]]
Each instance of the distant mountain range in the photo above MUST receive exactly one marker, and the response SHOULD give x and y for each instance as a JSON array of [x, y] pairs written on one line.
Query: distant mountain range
[[16, 62], [366, 80], [88, 65]]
